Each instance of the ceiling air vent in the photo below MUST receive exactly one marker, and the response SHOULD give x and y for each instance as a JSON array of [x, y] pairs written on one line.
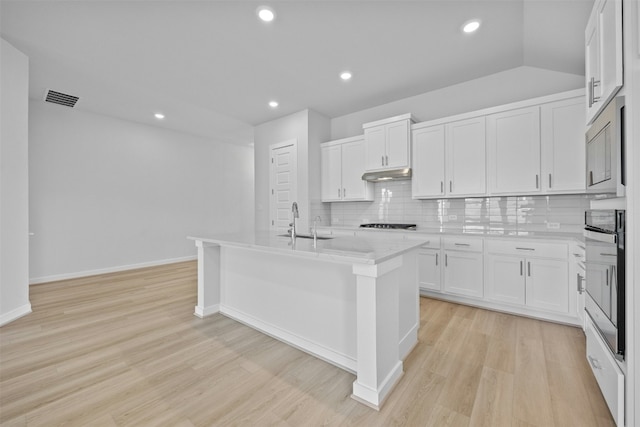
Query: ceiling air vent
[[60, 98]]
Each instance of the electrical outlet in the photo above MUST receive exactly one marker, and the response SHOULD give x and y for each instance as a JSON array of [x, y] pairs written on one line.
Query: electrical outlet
[[453, 217], [553, 225]]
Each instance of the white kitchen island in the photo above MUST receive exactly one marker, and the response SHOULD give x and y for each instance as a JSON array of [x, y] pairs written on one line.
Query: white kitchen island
[[351, 301]]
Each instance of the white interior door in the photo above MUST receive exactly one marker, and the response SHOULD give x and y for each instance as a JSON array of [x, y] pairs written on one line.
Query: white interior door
[[283, 188]]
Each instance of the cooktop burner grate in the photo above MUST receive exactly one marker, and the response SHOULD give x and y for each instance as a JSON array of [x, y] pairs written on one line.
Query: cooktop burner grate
[[390, 226]]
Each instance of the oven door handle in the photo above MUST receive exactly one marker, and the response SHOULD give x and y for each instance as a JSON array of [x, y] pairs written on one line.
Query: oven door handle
[[601, 237]]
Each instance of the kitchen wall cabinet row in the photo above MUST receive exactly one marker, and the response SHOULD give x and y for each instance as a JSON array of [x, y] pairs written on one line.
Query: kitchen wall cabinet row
[[534, 147], [342, 166]]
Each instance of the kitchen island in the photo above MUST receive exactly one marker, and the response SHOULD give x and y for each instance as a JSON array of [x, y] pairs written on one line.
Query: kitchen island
[[351, 301]]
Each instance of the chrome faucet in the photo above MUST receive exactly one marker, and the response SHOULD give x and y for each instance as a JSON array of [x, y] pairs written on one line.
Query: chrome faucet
[[294, 210], [315, 227]]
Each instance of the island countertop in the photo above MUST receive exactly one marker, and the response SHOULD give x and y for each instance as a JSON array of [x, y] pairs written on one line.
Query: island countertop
[[365, 250]]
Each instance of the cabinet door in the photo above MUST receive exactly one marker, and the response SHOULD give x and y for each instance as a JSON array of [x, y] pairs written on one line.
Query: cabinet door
[[592, 62], [353, 166], [331, 166], [429, 269], [463, 273], [504, 279], [465, 153], [397, 136], [563, 146], [375, 140], [610, 33], [547, 285], [428, 162], [513, 149]]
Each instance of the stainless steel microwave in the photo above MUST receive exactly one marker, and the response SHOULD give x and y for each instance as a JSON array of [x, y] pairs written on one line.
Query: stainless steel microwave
[[605, 151]]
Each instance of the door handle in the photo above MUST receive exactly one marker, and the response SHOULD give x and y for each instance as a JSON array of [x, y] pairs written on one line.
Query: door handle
[[436, 259], [446, 261], [441, 187], [381, 160], [529, 268], [386, 160], [537, 183], [450, 186], [549, 180]]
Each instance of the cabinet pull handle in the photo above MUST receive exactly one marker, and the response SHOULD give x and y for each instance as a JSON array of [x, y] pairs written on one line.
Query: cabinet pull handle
[[386, 160], [526, 249], [382, 160], [603, 254], [441, 187], [590, 86], [549, 180], [529, 268], [579, 283], [338, 193], [537, 179], [462, 244], [436, 259], [590, 177], [594, 83], [594, 362], [521, 267], [607, 279], [344, 192], [450, 186], [446, 260]]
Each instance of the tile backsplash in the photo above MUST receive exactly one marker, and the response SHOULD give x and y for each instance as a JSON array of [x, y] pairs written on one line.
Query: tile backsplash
[[393, 204]]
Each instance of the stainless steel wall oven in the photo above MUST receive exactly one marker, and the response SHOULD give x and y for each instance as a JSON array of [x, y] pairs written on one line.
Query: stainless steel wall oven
[[605, 270]]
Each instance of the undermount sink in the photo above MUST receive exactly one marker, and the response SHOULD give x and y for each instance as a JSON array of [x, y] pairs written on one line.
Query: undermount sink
[[307, 236]]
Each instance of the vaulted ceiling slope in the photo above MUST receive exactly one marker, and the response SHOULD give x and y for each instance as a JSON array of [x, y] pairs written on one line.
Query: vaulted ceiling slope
[[212, 66]]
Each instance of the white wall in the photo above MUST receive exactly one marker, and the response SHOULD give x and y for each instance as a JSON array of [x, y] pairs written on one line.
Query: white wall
[[508, 86], [107, 193], [14, 182], [309, 129]]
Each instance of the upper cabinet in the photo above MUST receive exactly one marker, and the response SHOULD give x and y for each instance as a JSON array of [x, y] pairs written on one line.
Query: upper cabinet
[[603, 55], [513, 151], [428, 162], [342, 166], [562, 146], [465, 157], [388, 143]]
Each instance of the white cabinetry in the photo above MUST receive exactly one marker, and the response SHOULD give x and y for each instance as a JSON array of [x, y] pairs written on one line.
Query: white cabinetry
[[563, 146], [513, 151], [430, 265], [463, 267], [577, 278], [388, 143], [603, 55], [428, 162], [465, 157], [530, 274], [608, 375], [342, 166]]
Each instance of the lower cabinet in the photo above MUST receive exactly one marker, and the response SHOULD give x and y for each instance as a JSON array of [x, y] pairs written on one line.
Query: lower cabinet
[[429, 271], [463, 267], [532, 280]]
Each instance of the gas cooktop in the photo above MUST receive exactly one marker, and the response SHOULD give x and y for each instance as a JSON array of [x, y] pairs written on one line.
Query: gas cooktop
[[390, 226]]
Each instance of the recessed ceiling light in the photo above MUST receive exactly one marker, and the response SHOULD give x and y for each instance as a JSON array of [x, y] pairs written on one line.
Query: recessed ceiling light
[[159, 116], [266, 14], [345, 75], [273, 104], [471, 26]]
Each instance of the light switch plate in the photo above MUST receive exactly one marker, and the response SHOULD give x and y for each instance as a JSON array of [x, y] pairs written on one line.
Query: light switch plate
[[553, 225]]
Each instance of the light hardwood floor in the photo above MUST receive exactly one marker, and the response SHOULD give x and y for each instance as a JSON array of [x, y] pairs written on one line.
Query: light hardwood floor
[[126, 350]]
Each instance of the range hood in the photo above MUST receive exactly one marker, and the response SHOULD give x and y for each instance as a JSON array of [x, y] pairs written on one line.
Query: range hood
[[388, 175]]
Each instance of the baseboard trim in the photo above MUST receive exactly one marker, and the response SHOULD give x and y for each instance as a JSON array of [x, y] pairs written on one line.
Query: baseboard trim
[[116, 269], [15, 314]]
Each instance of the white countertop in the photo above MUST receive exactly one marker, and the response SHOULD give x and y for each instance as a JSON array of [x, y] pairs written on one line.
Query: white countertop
[[509, 234], [346, 249]]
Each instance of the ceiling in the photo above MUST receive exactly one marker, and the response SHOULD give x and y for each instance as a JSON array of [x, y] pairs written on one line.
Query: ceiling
[[212, 67]]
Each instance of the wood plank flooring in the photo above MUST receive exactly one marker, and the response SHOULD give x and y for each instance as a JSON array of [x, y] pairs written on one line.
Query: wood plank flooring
[[125, 349]]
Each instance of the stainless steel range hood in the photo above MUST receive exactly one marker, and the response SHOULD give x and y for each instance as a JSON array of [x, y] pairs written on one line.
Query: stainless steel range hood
[[388, 175]]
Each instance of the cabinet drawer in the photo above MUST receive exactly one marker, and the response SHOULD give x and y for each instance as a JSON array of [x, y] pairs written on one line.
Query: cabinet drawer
[[607, 373], [527, 248], [463, 244]]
